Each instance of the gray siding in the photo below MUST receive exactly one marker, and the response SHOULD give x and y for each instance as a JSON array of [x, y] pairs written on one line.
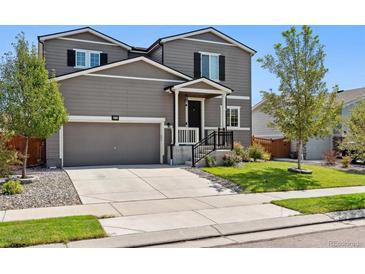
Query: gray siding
[[201, 85], [243, 137], [100, 96], [179, 54], [55, 52], [181, 110], [139, 69], [106, 96], [209, 37], [212, 111], [53, 151], [135, 54], [88, 36], [156, 54]]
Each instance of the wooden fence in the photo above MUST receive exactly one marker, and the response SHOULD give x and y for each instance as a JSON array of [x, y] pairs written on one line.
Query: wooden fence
[[278, 148], [36, 149]]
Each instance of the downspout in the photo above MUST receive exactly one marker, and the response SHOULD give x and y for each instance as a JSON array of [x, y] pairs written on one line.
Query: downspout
[[173, 135], [41, 54], [225, 115], [162, 58]]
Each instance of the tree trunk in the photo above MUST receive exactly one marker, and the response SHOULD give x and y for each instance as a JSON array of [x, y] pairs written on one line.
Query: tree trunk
[[24, 171], [300, 149]]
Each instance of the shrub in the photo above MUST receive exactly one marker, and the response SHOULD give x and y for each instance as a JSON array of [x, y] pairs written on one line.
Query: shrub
[[238, 148], [346, 161], [241, 151], [210, 161], [8, 155], [266, 156], [12, 187], [231, 159], [330, 157], [246, 156], [256, 151]]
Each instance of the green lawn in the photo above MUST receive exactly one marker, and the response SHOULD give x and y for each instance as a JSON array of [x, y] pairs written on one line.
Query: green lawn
[[274, 176], [324, 204], [52, 230]]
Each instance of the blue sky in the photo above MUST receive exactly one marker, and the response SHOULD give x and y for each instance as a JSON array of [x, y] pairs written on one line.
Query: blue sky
[[345, 47]]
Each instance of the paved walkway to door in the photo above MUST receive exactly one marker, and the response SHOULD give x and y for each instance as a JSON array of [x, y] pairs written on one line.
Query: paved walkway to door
[[139, 183]]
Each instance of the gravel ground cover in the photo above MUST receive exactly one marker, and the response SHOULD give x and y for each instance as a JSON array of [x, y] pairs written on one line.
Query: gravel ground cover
[[54, 188], [219, 182]]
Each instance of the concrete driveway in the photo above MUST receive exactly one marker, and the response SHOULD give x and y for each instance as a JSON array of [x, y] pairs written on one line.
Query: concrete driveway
[[136, 183]]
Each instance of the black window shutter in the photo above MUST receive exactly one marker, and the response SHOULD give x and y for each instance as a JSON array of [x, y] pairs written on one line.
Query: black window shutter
[[197, 72], [222, 68], [103, 59], [71, 58]]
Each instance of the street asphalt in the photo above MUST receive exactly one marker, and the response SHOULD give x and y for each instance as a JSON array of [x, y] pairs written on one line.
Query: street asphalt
[[344, 238]]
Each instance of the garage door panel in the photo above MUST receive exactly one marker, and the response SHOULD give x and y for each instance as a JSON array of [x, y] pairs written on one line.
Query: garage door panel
[[111, 144]]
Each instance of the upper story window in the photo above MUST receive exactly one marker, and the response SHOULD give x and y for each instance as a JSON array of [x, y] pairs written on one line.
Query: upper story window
[[210, 65], [94, 59], [233, 116], [82, 58], [87, 58]]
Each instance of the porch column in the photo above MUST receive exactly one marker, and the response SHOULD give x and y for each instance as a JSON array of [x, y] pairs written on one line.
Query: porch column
[[223, 110], [176, 116]]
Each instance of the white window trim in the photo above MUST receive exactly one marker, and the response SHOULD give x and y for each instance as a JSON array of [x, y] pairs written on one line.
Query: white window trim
[[210, 54], [87, 57], [239, 116]]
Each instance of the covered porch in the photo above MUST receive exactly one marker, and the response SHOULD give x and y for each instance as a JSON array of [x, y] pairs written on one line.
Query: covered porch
[[189, 109]]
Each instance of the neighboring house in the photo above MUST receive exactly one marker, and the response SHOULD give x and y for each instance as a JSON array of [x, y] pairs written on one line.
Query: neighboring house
[[316, 147], [130, 105]]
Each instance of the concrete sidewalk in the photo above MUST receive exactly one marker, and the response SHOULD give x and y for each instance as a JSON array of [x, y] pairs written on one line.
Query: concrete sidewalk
[[228, 234], [222, 204], [193, 216]]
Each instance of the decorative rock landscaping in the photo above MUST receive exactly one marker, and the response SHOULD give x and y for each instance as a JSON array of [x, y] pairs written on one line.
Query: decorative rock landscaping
[[53, 188], [217, 181]]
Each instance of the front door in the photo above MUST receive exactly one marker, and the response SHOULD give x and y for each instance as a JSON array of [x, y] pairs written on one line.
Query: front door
[[194, 115]]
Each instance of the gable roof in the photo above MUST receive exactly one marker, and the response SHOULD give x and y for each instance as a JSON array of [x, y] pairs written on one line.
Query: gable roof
[[351, 96], [159, 41], [258, 105], [121, 63], [207, 81], [196, 32], [83, 30]]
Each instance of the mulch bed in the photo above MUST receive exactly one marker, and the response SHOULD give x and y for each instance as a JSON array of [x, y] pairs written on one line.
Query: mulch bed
[[54, 188]]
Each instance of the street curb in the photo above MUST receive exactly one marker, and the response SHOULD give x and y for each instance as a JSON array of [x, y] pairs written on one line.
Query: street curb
[[149, 238], [218, 230]]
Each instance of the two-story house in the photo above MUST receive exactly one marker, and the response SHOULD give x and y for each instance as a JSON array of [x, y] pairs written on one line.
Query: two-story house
[[130, 105]]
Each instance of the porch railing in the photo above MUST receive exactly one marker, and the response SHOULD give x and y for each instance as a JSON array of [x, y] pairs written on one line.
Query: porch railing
[[216, 140], [188, 135]]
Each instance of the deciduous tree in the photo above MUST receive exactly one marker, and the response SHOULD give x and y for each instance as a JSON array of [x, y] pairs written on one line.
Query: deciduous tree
[[30, 102], [303, 108]]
